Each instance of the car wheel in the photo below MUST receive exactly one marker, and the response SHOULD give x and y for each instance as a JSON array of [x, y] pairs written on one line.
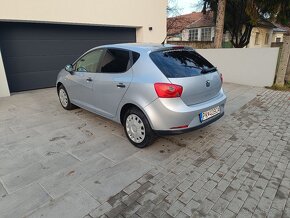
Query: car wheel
[[137, 128], [64, 99]]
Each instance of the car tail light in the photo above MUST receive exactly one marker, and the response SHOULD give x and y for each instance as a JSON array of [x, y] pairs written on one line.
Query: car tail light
[[168, 90]]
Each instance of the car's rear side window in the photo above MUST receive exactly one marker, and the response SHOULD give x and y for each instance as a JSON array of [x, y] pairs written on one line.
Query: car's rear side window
[[115, 61], [179, 63]]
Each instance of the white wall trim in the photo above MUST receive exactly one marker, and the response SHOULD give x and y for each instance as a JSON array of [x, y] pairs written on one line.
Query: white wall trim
[[4, 89]]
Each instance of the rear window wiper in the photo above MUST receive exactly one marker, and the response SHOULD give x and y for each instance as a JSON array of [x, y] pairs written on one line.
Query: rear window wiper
[[208, 70]]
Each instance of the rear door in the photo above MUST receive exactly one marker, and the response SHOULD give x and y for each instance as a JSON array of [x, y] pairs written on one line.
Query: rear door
[[82, 80], [113, 80], [199, 79]]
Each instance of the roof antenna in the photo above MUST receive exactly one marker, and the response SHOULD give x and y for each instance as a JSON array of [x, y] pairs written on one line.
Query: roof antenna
[[162, 43]]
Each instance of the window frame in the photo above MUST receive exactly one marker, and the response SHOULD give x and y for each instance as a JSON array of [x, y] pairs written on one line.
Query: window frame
[[191, 36], [202, 35], [88, 52]]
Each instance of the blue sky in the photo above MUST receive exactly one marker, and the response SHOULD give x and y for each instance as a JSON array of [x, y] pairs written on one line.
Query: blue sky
[[186, 6]]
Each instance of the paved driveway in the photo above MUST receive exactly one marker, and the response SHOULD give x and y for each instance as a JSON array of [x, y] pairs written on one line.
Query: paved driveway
[[55, 163]]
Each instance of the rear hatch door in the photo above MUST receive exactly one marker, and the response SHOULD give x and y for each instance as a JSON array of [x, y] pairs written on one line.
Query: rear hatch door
[[198, 77]]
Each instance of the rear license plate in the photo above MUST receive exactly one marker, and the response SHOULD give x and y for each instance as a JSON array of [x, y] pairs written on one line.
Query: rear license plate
[[210, 113]]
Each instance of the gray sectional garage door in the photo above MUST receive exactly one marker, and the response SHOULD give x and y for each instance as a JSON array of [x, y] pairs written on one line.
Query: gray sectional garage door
[[33, 54]]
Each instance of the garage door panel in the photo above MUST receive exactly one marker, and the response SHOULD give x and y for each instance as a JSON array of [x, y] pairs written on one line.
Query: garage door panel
[[34, 80], [21, 48], [30, 31], [33, 54], [37, 63]]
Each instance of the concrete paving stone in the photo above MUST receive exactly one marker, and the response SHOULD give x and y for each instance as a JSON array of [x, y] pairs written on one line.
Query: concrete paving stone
[[131, 188], [187, 196], [14, 138], [223, 185], [274, 213], [101, 210], [175, 208], [11, 164], [116, 210], [197, 185], [200, 195], [173, 196], [64, 180], [148, 206], [130, 210], [244, 214], [36, 171], [4, 154], [23, 202], [191, 207], [159, 153], [148, 196], [214, 195], [3, 191], [209, 186], [220, 206], [76, 204], [205, 207], [229, 214], [113, 180], [184, 185], [129, 199], [182, 215], [122, 149], [229, 193], [160, 209], [235, 205]]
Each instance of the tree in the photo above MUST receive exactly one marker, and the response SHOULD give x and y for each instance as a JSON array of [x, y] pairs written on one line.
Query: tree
[[241, 16], [220, 20]]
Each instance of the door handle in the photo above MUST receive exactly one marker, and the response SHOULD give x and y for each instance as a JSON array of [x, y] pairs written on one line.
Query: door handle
[[121, 85], [89, 79]]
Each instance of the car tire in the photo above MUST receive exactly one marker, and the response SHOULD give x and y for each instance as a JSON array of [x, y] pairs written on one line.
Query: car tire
[[64, 98], [137, 128]]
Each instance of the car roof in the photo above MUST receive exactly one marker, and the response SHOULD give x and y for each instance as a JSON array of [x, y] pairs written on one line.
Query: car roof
[[139, 47]]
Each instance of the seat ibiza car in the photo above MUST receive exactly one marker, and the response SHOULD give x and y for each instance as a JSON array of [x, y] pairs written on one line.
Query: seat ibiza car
[[151, 89]]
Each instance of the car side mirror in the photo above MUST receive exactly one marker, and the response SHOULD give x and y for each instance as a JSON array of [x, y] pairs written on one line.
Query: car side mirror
[[69, 68]]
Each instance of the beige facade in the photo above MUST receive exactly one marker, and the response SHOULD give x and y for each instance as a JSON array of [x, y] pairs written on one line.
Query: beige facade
[[260, 38], [139, 14]]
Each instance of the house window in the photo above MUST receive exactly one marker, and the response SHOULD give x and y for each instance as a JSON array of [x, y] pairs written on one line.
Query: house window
[[257, 39], [193, 35], [278, 39], [267, 38], [206, 34]]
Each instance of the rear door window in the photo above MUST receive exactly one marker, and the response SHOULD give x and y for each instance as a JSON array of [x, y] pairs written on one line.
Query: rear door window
[[115, 61], [180, 63]]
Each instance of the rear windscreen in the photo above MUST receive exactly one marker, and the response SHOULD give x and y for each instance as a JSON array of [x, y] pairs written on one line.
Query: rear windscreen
[[180, 63]]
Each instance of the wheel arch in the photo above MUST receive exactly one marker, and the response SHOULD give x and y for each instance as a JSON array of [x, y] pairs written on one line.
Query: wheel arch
[[127, 106]]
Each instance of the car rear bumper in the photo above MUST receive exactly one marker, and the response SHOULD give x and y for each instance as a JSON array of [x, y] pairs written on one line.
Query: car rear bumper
[[181, 131], [165, 115]]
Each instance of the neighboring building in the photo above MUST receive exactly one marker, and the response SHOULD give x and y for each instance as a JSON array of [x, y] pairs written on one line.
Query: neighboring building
[[261, 36], [279, 32], [200, 27], [195, 26], [38, 38]]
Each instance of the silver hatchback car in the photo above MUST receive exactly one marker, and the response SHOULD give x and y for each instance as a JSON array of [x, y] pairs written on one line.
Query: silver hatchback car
[[151, 89]]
